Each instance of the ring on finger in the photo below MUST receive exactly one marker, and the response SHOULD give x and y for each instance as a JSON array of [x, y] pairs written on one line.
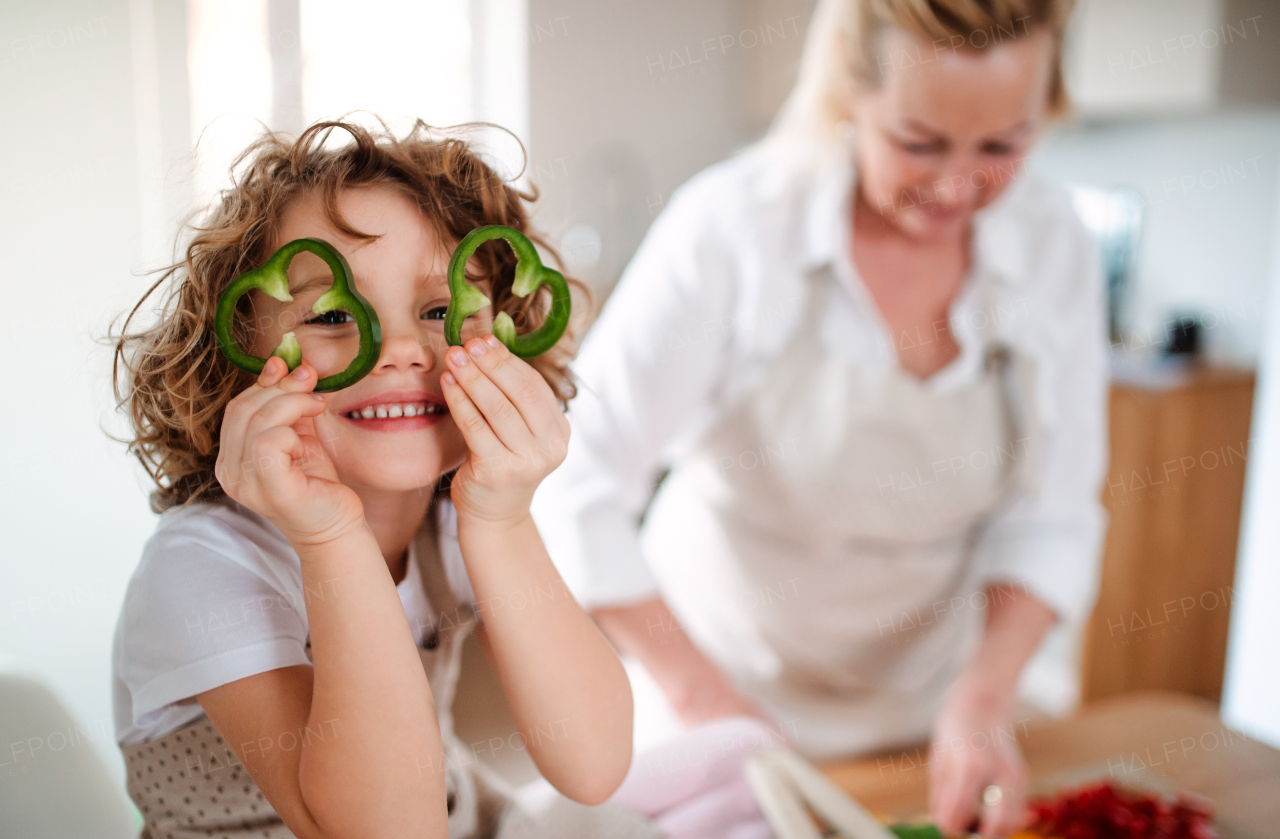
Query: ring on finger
[[992, 795]]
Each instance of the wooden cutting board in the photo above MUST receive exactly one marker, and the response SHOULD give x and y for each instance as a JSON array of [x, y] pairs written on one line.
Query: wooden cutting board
[[1167, 741]]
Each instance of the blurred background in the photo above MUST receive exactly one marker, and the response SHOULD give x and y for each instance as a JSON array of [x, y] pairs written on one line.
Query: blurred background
[[121, 118]]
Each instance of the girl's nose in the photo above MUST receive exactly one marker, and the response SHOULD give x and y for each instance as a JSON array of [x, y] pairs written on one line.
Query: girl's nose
[[403, 349]]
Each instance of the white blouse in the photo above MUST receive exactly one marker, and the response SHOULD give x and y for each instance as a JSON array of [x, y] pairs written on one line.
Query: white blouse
[[714, 292]]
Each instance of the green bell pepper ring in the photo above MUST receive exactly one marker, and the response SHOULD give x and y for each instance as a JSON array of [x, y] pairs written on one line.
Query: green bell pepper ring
[[465, 300], [273, 280], [916, 831]]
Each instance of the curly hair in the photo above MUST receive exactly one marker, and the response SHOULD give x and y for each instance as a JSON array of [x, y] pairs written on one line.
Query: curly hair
[[171, 379]]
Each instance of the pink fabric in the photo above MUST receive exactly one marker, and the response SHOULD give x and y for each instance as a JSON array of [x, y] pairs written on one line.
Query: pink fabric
[[693, 786]]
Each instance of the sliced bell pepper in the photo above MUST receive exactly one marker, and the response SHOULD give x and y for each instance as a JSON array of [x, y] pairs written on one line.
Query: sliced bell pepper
[[466, 300], [916, 831], [273, 280]]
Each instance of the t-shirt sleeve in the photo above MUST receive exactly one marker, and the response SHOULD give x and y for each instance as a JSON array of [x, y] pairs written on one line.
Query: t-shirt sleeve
[[205, 607]]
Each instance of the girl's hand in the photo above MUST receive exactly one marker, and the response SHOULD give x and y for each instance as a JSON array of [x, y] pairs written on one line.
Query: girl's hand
[[270, 459], [512, 424], [974, 747]]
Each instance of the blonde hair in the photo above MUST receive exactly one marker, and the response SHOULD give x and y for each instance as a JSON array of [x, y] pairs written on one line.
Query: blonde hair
[[171, 379], [841, 51]]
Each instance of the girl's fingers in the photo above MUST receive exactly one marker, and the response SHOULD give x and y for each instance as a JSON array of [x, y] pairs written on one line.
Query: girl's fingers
[[272, 372], [284, 409], [235, 435], [475, 428], [274, 452], [523, 386], [276, 374], [503, 417], [302, 379]]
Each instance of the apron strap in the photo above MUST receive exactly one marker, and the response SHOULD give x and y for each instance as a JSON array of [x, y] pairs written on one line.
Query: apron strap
[[1016, 372], [435, 581], [441, 649]]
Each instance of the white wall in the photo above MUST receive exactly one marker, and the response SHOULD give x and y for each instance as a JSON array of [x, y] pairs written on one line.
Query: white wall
[[72, 204], [1251, 693], [1211, 204], [628, 100]]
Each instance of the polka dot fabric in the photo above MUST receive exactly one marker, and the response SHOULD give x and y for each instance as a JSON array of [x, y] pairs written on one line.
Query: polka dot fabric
[[191, 784]]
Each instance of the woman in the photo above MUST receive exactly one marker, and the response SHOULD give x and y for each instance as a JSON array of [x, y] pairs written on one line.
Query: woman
[[871, 352]]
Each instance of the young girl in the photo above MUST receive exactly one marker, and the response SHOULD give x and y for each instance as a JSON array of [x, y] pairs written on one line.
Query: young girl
[[285, 658]]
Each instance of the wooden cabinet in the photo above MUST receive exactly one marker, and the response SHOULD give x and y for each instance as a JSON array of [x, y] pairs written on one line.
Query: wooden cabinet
[[1174, 489]]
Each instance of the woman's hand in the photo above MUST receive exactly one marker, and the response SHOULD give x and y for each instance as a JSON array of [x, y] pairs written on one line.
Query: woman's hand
[[270, 460], [513, 425], [975, 747]]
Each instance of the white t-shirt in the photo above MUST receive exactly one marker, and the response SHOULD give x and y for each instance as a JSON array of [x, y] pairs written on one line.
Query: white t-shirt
[[216, 597]]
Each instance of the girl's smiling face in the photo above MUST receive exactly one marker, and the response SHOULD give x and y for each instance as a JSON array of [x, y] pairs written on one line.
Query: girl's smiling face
[[408, 439]]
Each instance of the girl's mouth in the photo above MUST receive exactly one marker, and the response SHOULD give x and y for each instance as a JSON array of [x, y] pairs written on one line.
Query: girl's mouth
[[398, 416]]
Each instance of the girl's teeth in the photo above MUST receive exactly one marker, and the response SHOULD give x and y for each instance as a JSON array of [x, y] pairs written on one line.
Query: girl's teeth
[[394, 411]]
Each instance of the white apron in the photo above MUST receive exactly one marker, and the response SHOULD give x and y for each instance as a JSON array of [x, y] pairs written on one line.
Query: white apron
[[817, 543]]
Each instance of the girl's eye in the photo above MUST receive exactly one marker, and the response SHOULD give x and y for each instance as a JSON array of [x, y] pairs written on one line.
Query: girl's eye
[[997, 149], [333, 317], [435, 314]]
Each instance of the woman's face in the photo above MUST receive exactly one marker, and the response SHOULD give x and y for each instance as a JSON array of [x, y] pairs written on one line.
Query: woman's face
[[403, 275], [948, 129]]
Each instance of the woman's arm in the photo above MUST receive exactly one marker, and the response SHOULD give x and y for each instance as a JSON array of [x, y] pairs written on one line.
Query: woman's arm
[[1046, 544], [567, 689], [1016, 623], [650, 633], [973, 738], [353, 740]]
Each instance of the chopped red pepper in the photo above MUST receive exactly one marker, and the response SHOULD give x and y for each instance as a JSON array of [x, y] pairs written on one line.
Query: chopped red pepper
[[1106, 811]]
